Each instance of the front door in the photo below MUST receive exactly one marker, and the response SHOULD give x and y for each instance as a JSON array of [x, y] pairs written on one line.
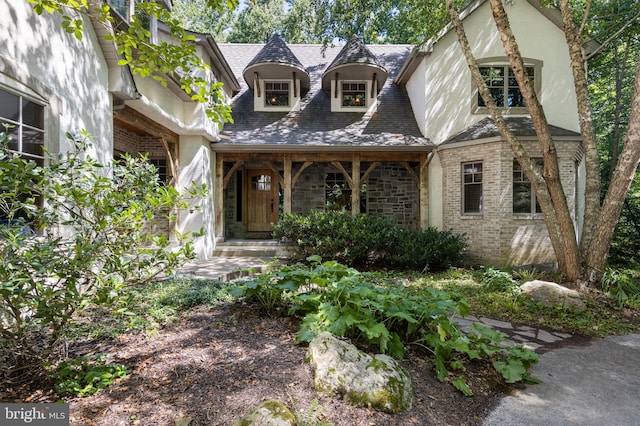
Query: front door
[[262, 199]]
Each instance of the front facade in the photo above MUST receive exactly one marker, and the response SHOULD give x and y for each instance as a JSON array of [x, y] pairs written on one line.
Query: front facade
[[388, 130]]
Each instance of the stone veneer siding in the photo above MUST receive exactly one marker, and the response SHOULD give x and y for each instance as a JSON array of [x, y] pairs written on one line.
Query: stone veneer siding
[[391, 192], [497, 236]]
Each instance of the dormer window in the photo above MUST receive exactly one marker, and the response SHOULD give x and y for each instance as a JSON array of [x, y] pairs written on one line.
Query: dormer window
[[276, 94], [354, 94]]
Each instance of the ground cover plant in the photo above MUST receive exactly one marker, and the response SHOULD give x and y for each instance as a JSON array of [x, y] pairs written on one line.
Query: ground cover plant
[[332, 297]]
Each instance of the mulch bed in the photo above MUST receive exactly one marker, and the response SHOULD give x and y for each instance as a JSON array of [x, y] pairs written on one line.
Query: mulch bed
[[216, 364]]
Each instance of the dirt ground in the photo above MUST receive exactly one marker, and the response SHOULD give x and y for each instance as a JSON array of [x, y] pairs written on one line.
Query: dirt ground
[[216, 364]]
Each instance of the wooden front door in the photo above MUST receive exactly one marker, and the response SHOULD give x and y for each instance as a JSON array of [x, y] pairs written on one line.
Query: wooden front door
[[262, 199]]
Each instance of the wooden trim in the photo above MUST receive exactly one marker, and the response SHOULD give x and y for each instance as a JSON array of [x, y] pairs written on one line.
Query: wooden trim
[[299, 173], [371, 168], [230, 173], [129, 117], [172, 165], [295, 86], [373, 84], [269, 165], [336, 87], [413, 174], [257, 79], [339, 166]]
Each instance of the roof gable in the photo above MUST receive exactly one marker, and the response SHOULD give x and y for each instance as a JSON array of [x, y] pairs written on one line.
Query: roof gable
[[355, 61]]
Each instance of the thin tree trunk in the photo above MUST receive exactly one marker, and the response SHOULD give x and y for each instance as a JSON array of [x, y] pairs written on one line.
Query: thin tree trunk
[[589, 142], [618, 188], [560, 208], [621, 70]]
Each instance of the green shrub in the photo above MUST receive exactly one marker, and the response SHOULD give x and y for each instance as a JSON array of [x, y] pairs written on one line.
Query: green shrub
[[365, 239], [86, 246], [335, 298]]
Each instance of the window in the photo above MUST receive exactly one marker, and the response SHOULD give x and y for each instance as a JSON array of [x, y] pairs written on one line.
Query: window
[[524, 196], [162, 168], [26, 121], [472, 187], [503, 86], [261, 183], [338, 193], [276, 94], [354, 94]]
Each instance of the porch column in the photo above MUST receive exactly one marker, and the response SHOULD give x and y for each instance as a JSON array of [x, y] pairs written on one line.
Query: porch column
[[287, 184], [355, 185], [424, 191], [219, 197]]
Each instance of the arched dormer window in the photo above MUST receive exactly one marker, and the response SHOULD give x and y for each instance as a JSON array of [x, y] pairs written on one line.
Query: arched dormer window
[[354, 78], [276, 77]]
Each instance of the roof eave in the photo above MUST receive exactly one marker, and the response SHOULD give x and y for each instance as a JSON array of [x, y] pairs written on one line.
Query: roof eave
[[256, 148]]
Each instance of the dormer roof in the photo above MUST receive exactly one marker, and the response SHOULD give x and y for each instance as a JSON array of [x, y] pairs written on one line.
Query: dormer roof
[[355, 62], [276, 61]]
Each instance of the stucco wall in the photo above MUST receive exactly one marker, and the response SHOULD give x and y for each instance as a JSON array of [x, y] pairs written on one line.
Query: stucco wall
[[443, 104], [71, 75], [498, 236]]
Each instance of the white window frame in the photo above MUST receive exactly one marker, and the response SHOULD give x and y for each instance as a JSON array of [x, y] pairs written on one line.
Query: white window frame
[[533, 64], [267, 98], [19, 127], [350, 89], [476, 179], [521, 178]]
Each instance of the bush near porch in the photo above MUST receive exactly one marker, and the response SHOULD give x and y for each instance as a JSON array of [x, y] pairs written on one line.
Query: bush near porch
[[361, 240]]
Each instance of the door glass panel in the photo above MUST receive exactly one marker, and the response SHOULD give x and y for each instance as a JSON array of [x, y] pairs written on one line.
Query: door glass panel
[[261, 183]]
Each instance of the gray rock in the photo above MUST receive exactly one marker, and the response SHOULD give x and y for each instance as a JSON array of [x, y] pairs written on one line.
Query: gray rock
[[551, 293], [269, 413], [364, 380]]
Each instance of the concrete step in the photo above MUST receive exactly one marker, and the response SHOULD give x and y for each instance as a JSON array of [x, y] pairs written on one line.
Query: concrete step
[[266, 249]]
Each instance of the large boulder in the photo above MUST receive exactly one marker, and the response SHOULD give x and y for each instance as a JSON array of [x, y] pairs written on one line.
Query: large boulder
[[551, 294], [364, 380], [269, 413]]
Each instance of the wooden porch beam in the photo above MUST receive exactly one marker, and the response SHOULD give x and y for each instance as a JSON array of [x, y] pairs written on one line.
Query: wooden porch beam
[[299, 173], [286, 185], [230, 173], [341, 168], [355, 189], [414, 176], [371, 168], [219, 198]]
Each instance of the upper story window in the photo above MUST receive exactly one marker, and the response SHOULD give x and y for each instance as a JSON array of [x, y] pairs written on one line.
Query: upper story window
[[472, 180], [26, 125], [502, 85], [276, 94], [354, 94], [524, 195]]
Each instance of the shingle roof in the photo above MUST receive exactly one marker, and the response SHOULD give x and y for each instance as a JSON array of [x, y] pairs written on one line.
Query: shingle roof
[[520, 126], [276, 50], [355, 51], [393, 124]]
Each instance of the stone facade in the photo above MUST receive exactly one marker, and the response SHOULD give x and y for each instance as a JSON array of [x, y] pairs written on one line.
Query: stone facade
[[389, 192], [497, 236]]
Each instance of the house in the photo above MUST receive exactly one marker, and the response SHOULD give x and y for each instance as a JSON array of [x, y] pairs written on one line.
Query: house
[[391, 130], [400, 132], [65, 85]]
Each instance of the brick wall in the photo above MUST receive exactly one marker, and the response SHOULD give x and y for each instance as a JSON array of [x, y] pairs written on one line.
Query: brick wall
[[127, 141], [497, 236]]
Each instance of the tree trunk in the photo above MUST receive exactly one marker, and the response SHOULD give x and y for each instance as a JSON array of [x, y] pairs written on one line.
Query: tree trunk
[[618, 188], [560, 208], [589, 142]]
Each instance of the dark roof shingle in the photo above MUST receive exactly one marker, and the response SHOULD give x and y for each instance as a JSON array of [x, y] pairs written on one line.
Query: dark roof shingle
[[393, 124]]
